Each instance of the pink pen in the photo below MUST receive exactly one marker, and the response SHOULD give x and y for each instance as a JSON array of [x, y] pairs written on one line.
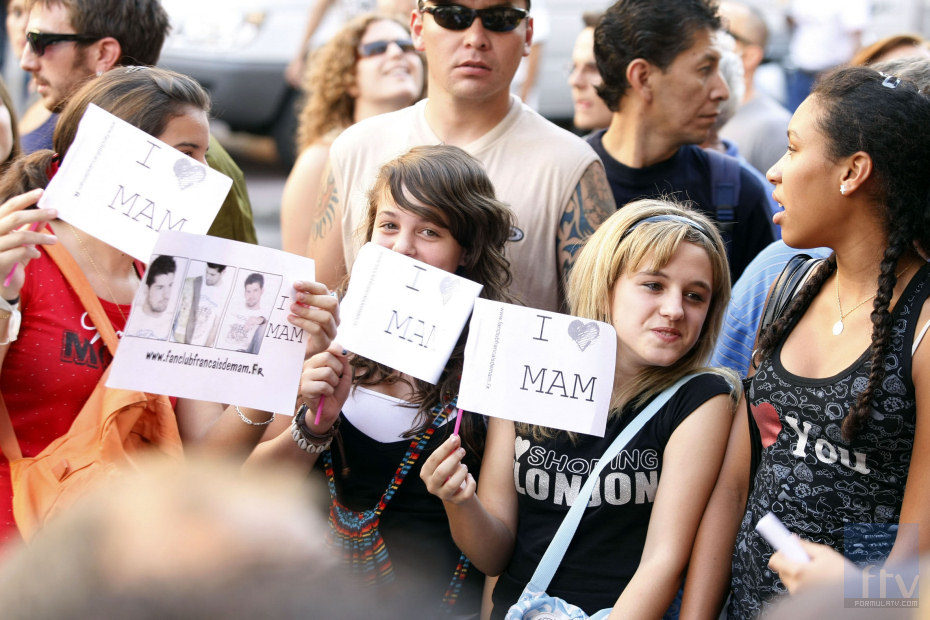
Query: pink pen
[[319, 410], [458, 422], [9, 277]]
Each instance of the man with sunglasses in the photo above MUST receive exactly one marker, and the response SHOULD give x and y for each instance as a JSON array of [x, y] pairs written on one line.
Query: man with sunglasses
[[70, 41], [551, 179], [66, 45], [658, 60]]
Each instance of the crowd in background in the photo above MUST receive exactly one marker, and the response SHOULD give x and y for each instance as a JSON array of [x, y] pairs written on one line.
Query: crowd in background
[[657, 215]]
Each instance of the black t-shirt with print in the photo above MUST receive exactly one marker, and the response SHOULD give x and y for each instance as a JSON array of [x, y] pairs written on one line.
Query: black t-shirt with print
[[607, 546]]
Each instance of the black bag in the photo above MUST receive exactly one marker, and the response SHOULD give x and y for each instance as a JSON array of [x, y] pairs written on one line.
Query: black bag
[[786, 287]]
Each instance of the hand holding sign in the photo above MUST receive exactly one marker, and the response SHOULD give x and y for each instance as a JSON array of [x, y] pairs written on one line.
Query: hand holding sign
[[211, 322], [123, 186], [446, 476], [538, 367], [404, 313], [324, 386]]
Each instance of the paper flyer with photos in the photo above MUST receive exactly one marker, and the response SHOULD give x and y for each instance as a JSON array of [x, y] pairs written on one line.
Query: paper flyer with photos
[[209, 322]]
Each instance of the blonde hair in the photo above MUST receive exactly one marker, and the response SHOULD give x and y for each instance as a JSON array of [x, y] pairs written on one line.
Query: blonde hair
[[624, 243]]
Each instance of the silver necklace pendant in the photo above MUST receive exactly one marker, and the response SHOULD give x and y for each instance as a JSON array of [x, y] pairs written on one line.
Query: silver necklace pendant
[[838, 328]]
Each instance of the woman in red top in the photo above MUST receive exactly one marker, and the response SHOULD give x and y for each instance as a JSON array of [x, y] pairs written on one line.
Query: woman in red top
[[51, 368]]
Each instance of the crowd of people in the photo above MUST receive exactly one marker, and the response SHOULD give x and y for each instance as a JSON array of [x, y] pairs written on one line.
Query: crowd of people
[[411, 138]]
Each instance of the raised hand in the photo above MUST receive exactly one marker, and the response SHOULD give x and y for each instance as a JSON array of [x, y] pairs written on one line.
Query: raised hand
[[327, 374], [17, 247]]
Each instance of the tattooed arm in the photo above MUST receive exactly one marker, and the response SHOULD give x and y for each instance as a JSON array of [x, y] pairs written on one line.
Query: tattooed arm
[[591, 203], [325, 245]]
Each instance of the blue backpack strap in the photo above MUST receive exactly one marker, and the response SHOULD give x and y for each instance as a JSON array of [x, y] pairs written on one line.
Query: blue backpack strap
[[725, 186]]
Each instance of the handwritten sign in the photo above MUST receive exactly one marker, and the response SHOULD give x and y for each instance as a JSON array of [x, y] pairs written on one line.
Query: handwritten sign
[[538, 367], [404, 313], [210, 322], [123, 186]]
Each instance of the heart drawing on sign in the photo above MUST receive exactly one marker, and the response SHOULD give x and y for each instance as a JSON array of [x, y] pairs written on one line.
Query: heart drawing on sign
[[583, 333], [447, 287], [520, 446], [188, 174]]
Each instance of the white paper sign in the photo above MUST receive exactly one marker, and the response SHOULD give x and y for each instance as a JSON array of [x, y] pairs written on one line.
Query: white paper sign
[[123, 186], [210, 322], [404, 313], [538, 367]]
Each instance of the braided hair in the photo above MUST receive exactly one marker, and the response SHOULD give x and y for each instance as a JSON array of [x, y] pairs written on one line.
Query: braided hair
[[889, 119]]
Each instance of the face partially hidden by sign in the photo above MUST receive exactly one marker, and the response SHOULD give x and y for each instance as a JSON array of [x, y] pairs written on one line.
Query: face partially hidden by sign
[[415, 236], [659, 313]]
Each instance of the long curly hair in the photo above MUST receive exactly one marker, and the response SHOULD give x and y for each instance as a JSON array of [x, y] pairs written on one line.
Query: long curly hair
[[450, 188], [863, 110], [330, 77]]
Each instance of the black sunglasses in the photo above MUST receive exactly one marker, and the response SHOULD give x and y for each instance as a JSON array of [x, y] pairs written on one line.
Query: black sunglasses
[[376, 48], [39, 41], [458, 17]]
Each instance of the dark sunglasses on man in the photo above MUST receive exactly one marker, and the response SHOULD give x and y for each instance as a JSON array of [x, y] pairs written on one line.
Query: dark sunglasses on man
[[376, 48], [500, 18], [39, 41]]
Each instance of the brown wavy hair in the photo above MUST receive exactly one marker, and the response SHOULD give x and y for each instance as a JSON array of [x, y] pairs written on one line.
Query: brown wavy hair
[[450, 188], [330, 77]]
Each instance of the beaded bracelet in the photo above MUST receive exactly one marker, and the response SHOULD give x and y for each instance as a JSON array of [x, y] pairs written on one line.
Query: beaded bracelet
[[307, 440], [250, 422]]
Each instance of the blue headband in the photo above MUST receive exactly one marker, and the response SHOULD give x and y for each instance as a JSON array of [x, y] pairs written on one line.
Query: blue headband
[[668, 217]]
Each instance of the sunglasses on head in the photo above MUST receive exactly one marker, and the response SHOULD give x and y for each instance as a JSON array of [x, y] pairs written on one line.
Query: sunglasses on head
[[376, 48], [457, 17], [39, 41]]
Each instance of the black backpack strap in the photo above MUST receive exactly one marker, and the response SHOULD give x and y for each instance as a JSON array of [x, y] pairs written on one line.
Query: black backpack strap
[[725, 187], [786, 286]]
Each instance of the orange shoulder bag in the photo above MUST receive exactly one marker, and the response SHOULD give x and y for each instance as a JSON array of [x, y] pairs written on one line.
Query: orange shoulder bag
[[111, 430]]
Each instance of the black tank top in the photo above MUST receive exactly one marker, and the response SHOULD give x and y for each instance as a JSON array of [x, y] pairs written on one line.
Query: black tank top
[[811, 478]]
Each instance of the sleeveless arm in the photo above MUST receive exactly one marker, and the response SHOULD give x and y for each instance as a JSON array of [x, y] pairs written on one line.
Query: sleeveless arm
[[325, 245], [709, 568], [915, 508], [691, 461], [484, 526], [301, 196]]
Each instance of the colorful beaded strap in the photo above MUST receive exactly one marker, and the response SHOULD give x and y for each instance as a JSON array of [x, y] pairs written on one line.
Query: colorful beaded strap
[[357, 532]]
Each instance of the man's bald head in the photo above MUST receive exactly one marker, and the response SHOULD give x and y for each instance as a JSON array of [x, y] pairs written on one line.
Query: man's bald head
[[745, 23]]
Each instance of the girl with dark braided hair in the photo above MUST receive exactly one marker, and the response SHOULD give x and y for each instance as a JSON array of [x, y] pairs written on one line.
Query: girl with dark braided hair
[[838, 394]]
